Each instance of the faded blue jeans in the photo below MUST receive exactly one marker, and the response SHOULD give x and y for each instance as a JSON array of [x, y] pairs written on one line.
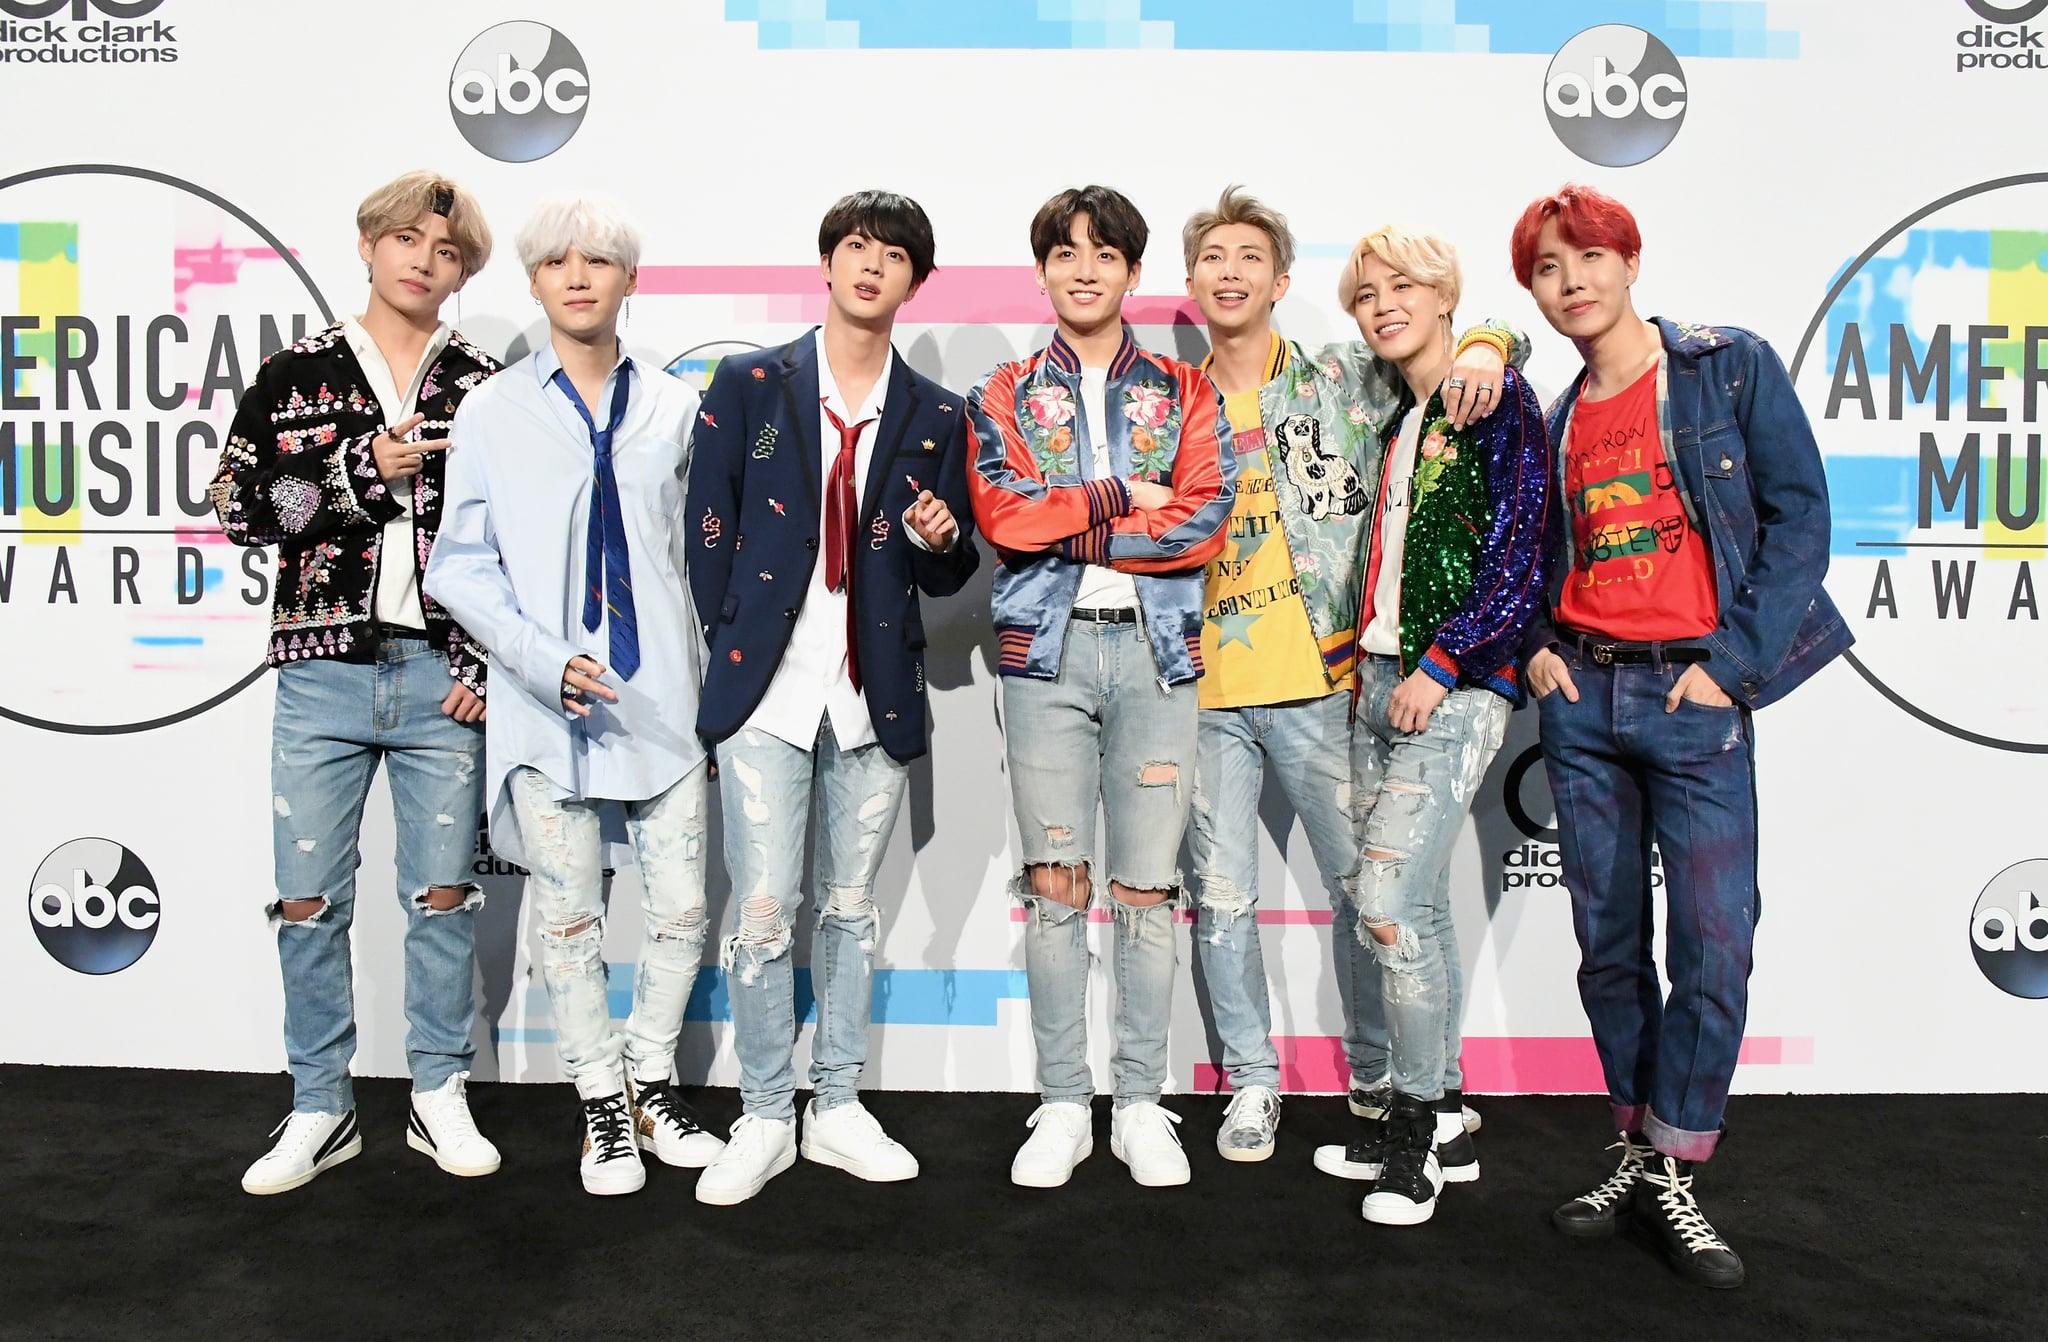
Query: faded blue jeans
[[1414, 791], [1106, 733], [1308, 745], [564, 851], [1624, 772], [334, 722], [769, 788]]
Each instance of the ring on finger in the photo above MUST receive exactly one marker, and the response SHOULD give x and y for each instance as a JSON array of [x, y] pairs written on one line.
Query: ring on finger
[[1486, 389], [1456, 384], [570, 691]]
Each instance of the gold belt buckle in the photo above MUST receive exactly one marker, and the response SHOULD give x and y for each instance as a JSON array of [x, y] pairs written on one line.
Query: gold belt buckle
[[1603, 653]]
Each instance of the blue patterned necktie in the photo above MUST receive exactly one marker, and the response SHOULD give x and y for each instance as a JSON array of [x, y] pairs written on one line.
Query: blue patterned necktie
[[608, 573]]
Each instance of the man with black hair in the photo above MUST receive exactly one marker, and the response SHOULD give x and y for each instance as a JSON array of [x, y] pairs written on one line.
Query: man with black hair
[[1103, 475], [828, 489]]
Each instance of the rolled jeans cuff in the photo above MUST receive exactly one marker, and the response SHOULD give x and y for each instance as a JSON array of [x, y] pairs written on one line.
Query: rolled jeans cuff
[[1677, 1142]]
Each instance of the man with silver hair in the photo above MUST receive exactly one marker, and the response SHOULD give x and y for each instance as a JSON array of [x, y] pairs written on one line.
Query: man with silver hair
[[563, 552]]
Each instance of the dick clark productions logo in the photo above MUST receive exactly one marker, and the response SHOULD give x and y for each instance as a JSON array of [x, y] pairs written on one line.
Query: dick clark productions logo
[[519, 91], [2005, 41], [94, 906], [1615, 95]]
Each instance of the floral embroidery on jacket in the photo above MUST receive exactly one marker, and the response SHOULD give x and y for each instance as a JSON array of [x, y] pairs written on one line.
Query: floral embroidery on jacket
[[1155, 429]]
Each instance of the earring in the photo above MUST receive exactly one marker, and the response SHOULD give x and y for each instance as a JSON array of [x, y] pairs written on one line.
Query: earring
[[369, 272], [626, 316]]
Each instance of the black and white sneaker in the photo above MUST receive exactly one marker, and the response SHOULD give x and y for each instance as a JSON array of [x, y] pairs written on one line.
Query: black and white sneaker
[[1590, 1215], [1410, 1178], [611, 1159], [1663, 1206], [306, 1144], [667, 1126], [1457, 1156], [1371, 1103]]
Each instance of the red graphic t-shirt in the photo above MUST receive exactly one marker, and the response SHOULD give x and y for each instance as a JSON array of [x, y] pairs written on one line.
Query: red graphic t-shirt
[[1640, 573]]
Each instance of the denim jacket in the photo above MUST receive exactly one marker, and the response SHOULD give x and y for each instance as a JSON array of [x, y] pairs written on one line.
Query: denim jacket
[[1755, 485], [1039, 502]]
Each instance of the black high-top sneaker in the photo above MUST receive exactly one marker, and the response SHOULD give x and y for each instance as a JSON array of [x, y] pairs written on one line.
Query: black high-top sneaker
[[1454, 1149], [1405, 1194], [1360, 1159], [1663, 1205], [1597, 1213]]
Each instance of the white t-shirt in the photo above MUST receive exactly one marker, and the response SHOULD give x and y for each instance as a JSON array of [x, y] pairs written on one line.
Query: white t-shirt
[[1102, 587], [398, 563], [1383, 635]]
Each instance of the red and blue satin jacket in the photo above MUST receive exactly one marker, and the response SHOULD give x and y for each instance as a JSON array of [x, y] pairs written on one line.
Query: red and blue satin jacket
[[1040, 503]]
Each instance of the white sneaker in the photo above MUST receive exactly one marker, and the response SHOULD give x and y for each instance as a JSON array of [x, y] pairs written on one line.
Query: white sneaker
[[611, 1161], [668, 1127], [441, 1127], [847, 1137], [1142, 1137], [1062, 1136], [309, 1144], [760, 1149], [1249, 1124]]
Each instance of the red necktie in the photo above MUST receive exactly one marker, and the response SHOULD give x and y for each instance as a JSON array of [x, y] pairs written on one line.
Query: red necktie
[[840, 506]]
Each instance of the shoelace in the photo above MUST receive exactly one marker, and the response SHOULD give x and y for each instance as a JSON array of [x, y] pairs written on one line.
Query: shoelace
[[1041, 1111], [300, 1135], [1684, 1213], [1406, 1167], [610, 1133], [1171, 1119], [659, 1098], [450, 1111], [1252, 1108], [1622, 1180]]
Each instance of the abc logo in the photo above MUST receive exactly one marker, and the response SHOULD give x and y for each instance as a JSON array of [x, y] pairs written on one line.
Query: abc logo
[[2009, 929], [1615, 95], [94, 906], [80, 9], [519, 91]]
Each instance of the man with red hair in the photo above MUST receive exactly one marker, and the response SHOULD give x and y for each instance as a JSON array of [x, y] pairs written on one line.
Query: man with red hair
[[1688, 534]]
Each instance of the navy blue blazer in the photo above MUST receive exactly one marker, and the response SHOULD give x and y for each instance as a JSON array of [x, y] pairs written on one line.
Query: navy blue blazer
[[756, 476]]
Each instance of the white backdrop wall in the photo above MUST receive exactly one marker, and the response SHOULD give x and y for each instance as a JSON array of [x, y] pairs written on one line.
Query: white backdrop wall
[[1896, 799]]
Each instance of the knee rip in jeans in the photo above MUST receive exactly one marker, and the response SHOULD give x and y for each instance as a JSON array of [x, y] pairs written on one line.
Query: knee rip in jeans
[[1393, 942], [578, 927], [309, 912], [1223, 903], [1160, 773], [853, 904], [435, 900], [750, 779], [1137, 907], [687, 926], [763, 936], [1054, 891]]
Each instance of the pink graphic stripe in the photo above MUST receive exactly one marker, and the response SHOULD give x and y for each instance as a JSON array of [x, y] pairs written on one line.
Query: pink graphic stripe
[[954, 294], [1308, 917], [1503, 1065]]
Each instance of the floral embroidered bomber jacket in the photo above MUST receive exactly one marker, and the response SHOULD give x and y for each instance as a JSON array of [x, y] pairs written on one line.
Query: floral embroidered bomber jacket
[[297, 473], [1327, 417], [1038, 501], [1473, 560]]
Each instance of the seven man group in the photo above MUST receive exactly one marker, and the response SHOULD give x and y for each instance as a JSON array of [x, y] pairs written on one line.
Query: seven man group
[[1348, 563]]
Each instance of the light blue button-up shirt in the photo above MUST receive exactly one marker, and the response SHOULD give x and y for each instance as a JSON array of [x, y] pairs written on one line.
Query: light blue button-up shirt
[[509, 565]]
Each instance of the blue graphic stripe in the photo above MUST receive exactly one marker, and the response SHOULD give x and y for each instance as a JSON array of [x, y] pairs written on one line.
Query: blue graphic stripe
[[167, 640], [1689, 27], [901, 997]]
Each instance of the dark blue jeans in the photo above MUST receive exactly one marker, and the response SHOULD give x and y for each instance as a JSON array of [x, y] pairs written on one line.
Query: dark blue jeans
[[1625, 773]]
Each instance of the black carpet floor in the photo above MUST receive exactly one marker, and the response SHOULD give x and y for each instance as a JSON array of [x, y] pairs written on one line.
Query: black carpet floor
[[1858, 1217]]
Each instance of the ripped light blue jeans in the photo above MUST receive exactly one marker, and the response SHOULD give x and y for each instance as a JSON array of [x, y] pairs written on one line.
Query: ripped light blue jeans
[[768, 789], [1414, 792], [564, 849], [335, 721], [1104, 733], [1308, 745]]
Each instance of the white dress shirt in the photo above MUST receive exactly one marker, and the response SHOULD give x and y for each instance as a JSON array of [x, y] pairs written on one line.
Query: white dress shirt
[[1383, 635], [812, 680], [398, 565], [509, 565], [1102, 587]]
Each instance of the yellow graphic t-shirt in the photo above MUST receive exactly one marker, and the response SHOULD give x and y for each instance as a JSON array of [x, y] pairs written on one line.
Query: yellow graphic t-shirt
[[1257, 646]]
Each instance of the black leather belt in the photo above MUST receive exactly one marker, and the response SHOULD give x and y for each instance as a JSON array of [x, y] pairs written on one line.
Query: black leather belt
[[1123, 615], [1613, 653]]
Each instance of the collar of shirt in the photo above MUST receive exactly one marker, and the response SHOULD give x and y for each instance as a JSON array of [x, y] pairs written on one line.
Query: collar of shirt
[[828, 393], [546, 363], [395, 400]]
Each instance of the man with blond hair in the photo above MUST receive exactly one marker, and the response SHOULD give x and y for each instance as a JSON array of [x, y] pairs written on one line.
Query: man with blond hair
[[334, 457], [1279, 639]]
